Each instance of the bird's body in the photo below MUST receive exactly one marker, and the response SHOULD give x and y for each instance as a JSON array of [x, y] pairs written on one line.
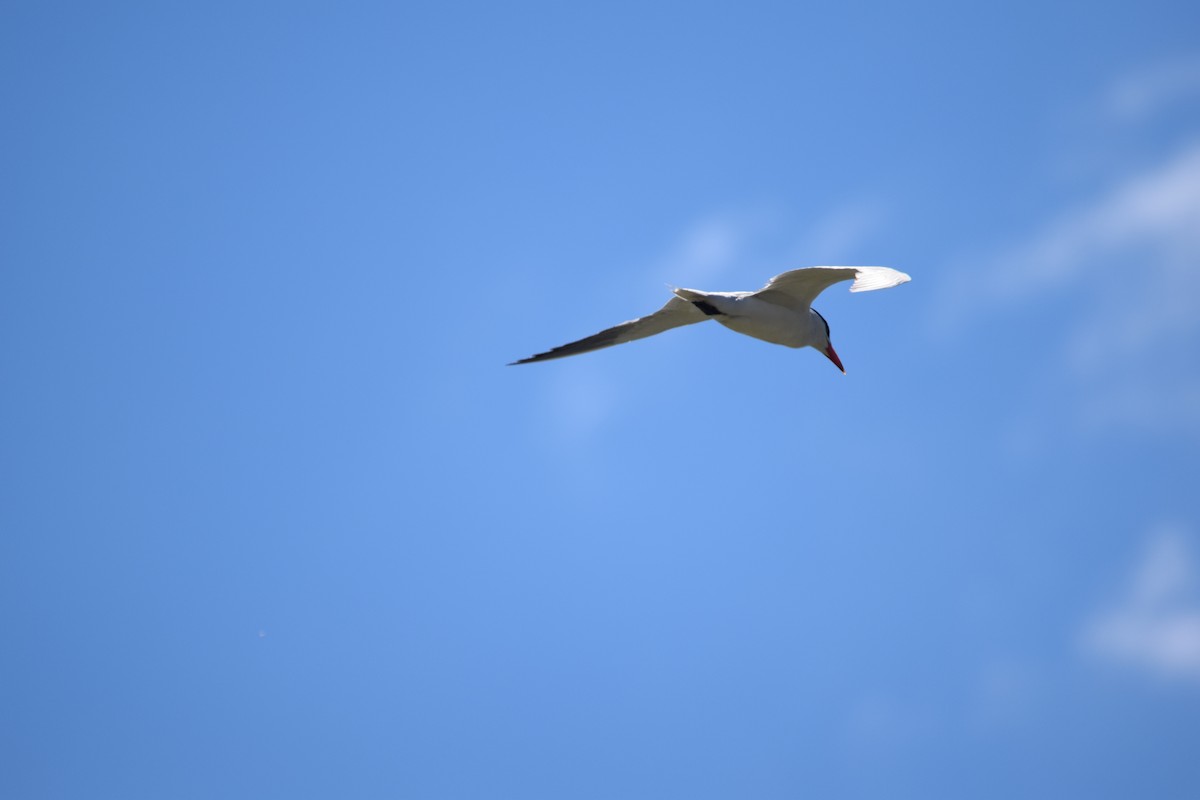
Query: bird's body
[[747, 314], [781, 312]]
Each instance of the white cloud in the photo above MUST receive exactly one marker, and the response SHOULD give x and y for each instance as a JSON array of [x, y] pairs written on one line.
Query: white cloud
[[836, 236], [711, 247], [754, 245], [1126, 270], [1145, 92], [1135, 253], [1145, 228], [1156, 625]]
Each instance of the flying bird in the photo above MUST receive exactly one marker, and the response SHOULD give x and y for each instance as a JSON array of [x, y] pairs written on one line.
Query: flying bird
[[781, 312]]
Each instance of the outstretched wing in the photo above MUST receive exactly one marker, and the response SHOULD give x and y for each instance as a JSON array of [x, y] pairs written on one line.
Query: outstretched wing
[[799, 287], [675, 313]]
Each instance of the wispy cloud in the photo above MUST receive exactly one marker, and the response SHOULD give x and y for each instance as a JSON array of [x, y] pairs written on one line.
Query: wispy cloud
[[1127, 266], [1145, 227], [1135, 252], [837, 236], [759, 244], [1145, 92], [1156, 624], [711, 247]]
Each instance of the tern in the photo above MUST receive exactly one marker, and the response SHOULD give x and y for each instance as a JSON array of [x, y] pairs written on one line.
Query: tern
[[781, 312]]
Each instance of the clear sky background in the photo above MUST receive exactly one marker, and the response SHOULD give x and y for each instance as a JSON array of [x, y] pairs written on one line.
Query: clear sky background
[[278, 522]]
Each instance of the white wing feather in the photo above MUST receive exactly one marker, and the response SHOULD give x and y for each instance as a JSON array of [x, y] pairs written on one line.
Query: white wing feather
[[675, 313], [797, 288]]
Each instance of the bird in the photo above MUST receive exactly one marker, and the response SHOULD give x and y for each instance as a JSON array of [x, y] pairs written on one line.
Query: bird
[[781, 312]]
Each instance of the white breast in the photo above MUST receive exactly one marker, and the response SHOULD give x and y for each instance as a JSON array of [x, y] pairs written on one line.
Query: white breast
[[767, 321]]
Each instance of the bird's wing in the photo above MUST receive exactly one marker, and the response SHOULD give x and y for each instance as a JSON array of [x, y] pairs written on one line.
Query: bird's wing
[[675, 313], [799, 287]]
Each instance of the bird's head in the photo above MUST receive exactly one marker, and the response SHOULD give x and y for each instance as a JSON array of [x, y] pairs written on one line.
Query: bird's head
[[823, 344]]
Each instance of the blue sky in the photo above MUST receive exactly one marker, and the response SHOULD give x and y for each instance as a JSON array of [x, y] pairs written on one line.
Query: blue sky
[[278, 521]]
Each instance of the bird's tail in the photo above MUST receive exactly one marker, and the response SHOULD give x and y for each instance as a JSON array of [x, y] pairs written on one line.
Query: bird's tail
[[699, 300]]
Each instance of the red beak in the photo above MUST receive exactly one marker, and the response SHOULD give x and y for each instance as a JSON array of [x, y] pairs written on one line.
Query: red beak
[[831, 354]]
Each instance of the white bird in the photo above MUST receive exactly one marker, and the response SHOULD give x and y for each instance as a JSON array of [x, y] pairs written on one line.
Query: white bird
[[781, 312]]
